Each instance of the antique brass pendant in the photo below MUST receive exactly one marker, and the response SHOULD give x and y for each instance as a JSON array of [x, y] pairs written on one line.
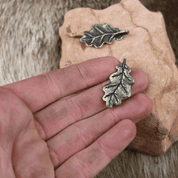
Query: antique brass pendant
[[119, 86], [100, 34]]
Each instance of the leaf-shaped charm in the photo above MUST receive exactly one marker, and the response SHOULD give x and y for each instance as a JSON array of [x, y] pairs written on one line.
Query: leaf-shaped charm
[[101, 34], [119, 87]]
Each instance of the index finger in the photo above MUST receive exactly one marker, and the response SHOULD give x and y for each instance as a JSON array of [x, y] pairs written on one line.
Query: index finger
[[39, 91]]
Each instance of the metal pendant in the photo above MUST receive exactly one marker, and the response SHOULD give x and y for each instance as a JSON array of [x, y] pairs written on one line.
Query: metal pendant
[[100, 34], [119, 86]]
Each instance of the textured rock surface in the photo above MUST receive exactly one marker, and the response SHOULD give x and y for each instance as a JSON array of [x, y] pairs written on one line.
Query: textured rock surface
[[147, 47]]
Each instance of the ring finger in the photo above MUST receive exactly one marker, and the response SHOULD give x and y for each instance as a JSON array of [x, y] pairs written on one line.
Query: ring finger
[[90, 161]]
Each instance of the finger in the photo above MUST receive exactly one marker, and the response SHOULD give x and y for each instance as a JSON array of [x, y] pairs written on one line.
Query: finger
[[62, 113], [40, 91], [90, 161], [81, 134]]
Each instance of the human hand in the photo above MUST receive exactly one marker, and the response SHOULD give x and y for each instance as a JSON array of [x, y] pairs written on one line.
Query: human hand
[[51, 127]]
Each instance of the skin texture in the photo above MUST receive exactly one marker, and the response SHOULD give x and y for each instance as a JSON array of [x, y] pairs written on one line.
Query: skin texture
[[57, 125]]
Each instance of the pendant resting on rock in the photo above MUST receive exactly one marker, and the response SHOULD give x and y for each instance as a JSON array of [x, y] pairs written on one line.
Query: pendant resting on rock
[[119, 86], [100, 34]]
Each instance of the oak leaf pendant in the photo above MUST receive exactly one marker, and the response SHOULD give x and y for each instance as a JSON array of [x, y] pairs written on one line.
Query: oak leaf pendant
[[100, 34], [119, 86]]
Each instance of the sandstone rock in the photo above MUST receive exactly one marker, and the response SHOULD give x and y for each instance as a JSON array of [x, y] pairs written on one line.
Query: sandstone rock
[[147, 47]]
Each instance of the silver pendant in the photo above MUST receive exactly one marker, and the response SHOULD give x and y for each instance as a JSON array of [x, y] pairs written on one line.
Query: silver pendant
[[100, 34], [119, 86]]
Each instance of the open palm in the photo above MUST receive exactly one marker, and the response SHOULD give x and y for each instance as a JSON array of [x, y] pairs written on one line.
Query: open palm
[[57, 125]]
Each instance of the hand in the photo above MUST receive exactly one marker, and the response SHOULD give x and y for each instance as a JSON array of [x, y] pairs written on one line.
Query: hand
[[57, 125]]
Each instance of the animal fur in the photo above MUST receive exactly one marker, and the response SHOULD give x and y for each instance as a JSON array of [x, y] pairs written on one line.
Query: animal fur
[[30, 45]]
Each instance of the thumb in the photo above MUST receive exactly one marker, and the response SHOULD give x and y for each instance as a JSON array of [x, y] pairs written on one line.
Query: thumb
[[22, 151]]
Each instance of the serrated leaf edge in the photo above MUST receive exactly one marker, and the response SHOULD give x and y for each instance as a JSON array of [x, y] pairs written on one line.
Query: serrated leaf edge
[[95, 25], [129, 92]]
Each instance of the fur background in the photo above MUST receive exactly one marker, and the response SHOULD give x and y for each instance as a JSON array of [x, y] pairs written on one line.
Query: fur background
[[30, 45]]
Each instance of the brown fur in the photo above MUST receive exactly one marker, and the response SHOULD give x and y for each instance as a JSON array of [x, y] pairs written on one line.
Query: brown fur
[[30, 45]]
